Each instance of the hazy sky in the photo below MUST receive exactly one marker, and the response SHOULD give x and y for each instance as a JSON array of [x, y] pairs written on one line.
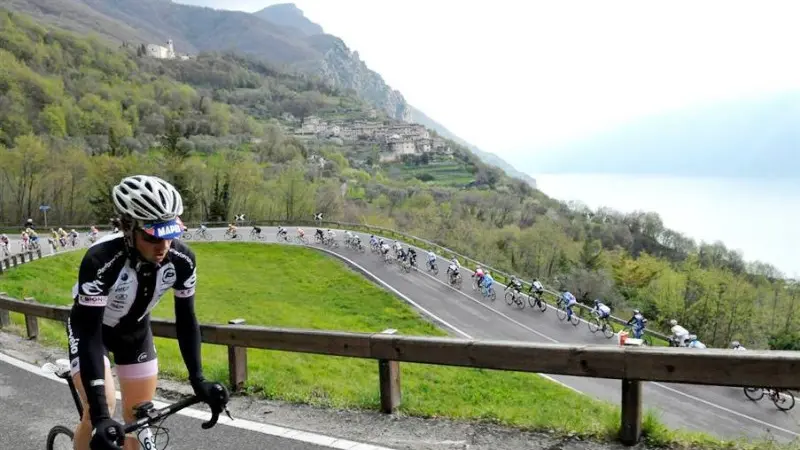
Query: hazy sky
[[512, 76]]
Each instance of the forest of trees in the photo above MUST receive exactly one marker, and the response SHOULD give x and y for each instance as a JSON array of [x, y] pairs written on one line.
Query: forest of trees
[[76, 116]]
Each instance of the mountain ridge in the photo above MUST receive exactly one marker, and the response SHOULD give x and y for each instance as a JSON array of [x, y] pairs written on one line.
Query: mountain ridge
[[293, 44]]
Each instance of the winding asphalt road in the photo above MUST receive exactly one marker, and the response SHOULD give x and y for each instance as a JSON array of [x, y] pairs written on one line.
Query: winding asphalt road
[[723, 411]]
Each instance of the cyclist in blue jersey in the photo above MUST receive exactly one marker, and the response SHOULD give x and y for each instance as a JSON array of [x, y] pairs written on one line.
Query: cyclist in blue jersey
[[487, 283], [569, 300], [637, 324], [121, 279], [601, 309]]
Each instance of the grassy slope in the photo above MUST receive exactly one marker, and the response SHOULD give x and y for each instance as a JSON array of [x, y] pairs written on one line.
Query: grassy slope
[[313, 291]]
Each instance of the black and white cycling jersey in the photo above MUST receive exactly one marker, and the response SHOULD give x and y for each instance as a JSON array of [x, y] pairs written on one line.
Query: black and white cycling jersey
[[108, 279], [112, 301]]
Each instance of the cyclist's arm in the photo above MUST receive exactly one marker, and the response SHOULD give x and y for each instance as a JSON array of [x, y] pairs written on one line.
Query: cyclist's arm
[[186, 325], [87, 319]]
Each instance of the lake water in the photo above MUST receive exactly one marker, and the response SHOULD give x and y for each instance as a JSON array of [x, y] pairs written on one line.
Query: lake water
[[760, 217]]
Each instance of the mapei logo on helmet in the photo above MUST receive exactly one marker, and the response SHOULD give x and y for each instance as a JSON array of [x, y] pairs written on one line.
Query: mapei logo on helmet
[[167, 230]]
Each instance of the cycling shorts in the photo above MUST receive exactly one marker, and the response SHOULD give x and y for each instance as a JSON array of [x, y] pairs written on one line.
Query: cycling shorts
[[133, 349]]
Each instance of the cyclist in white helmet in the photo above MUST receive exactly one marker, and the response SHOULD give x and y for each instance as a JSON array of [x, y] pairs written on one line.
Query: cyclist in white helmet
[[121, 279]]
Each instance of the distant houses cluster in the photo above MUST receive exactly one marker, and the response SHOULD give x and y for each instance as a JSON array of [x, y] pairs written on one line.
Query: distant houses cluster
[[161, 52], [395, 140]]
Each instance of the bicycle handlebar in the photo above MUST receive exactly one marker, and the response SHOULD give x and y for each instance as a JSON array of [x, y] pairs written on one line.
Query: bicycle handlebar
[[157, 414]]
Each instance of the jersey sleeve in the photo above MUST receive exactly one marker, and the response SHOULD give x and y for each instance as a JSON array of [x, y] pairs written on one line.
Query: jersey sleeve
[[186, 325], [186, 273], [91, 297]]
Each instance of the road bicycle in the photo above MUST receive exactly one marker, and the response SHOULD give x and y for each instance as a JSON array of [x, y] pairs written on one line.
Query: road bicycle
[[148, 417], [455, 280], [596, 323], [431, 266], [783, 399], [514, 297], [536, 301], [488, 293], [561, 312]]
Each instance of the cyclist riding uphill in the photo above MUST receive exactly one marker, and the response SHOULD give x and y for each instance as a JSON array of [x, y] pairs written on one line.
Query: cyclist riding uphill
[[536, 287], [637, 324], [479, 275], [514, 282], [431, 259], [680, 335], [120, 280], [452, 269], [601, 309], [694, 343], [488, 281], [569, 300]]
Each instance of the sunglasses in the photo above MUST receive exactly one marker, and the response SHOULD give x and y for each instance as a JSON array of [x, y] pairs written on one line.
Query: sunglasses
[[148, 238]]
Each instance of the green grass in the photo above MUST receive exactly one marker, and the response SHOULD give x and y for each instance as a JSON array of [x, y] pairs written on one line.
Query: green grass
[[314, 291], [445, 173]]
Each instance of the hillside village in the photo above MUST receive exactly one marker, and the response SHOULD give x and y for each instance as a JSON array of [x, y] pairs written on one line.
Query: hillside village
[[394, 140]]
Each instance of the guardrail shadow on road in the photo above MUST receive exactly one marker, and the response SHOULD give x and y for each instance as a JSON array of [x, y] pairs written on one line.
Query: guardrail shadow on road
[[632, 366]]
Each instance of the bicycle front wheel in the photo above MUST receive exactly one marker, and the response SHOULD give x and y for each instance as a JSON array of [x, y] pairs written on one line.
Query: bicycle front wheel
[[562, 314], [784, 400], [608, 330], [754, 394], [60, 438], [509, 298], [594, 324]]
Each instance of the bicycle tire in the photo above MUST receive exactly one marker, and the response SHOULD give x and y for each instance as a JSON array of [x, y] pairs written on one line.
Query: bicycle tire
[[55, 432], [520, 301], [186, 236], [561, 314], [493, 296], [754, 394], [594, 324], [575, 320], [608, 330], [779, 399], [509, 298]]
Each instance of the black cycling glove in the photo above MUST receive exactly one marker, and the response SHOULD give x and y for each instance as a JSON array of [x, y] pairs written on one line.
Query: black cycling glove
[[107, 434], [212, 393]]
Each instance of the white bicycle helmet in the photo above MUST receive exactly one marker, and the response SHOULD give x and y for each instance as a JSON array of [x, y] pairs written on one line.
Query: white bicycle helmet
[[147, 199]]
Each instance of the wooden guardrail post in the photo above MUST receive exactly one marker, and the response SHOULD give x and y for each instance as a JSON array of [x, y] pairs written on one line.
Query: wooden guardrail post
[[631, 427], [237, 362], [5, 319], [31, 322], [389, 379]]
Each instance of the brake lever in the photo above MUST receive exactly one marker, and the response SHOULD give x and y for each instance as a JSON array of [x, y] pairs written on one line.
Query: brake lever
[[212, 422]]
